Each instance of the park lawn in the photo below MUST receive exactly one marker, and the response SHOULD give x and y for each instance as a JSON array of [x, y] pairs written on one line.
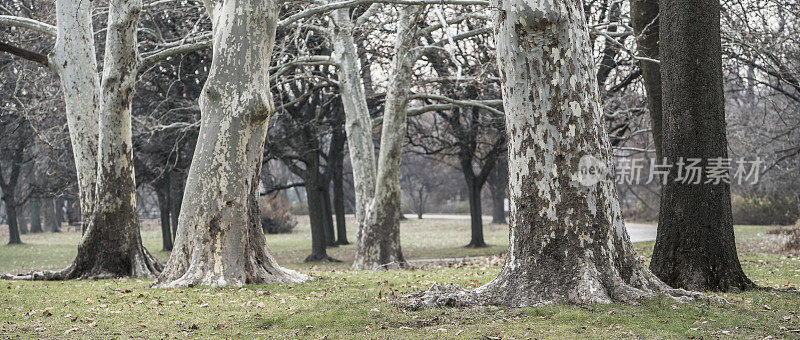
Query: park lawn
[[345, 304]]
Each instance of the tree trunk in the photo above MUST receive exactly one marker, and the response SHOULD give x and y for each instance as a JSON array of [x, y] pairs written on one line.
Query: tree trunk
[[22, 224], [176, 188], [163, 195], [644, 17], [113, 220], [358, 123], [338, 201], [219, 240], [498, 184], [379, 235], [36, 215], [695, 246], [316, 216], [330, 232], [49, 215], [475, 214], [568, 243], [75, 61], [11, 219]]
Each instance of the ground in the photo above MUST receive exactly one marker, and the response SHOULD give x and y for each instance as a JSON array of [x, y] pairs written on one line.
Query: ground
[[346, 304]]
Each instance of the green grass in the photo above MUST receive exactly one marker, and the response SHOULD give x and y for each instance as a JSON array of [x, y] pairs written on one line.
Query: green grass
[[345, 304]]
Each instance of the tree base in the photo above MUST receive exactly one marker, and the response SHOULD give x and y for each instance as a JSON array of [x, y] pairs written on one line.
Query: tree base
[[476, 245], [321, 258], [140, 265], [498, 293], [342, 243]]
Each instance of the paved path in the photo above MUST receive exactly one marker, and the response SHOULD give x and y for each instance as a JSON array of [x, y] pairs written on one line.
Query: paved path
[[639, 232]]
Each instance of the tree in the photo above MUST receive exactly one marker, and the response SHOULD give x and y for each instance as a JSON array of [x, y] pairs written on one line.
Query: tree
[[644, 17], [695, 247], [568, 242], [219, 240], [498, 183]]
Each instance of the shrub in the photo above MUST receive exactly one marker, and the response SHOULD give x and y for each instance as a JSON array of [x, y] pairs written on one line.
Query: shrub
[[276, 215], [766, 209]]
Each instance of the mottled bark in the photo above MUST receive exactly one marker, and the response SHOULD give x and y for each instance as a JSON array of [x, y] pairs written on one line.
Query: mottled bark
[[695, 246], [358, 123], [35, 212], [568, 243], [379, 234], [644, 17], [219, 240], [74, 60]]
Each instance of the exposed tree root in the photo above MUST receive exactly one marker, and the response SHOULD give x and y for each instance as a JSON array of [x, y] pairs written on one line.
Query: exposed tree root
[[92, 267]]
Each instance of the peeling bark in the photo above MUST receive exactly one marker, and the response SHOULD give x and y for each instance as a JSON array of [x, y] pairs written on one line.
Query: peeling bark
[[74, 60], [379, 234], [567, 243], [695, 246], [219, 240]]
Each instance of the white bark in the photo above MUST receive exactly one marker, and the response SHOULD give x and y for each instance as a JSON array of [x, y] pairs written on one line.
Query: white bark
[[219, 241], [73, 59], [379, 234], [358, 124], [567, 243]]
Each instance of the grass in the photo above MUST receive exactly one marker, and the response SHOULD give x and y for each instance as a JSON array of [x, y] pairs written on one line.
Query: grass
[[345, 304]]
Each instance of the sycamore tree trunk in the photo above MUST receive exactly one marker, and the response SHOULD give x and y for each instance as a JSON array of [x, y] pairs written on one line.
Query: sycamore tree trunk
[[74, 60], [36, 215], [111, 245], [379, 235], [644, 17], [219, 240], [568, 243], [695, 246], [358, 123]]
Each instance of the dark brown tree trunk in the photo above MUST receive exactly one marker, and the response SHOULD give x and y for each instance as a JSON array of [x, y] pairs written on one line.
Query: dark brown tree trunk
[[163, 195], [695, 246], [11, 219], [644, 16], [49, 215], [36, 215], [498, 184], [476, 215], [73, 212], [338, 202], [327, 217], [176, 187], [316, 215], [59, 210]]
